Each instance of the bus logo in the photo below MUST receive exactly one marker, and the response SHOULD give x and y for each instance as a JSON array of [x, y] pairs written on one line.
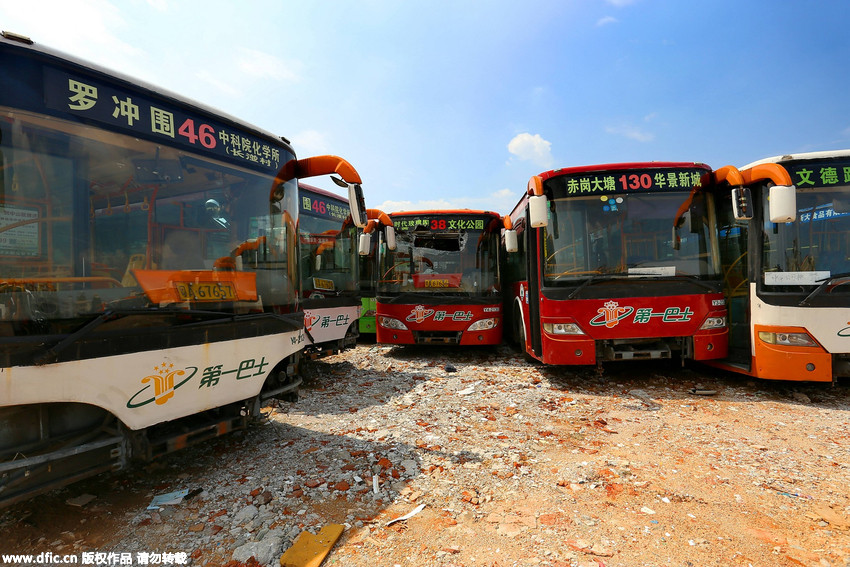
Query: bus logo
[[163, 384], [310, 320], [611, 314], [419, 314]]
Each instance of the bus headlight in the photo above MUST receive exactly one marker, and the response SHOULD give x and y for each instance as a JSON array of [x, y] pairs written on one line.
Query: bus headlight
[[391, 323], [787, 339], [484, 324], [713, 323], [562, 329]]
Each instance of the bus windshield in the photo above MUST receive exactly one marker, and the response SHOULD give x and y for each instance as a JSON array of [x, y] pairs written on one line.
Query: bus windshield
[[629, 234], [329, 258], [93, 220], [442, 262], [801, 254]]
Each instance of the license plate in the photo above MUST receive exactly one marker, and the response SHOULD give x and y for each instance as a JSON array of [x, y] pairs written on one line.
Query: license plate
[[206, 291]]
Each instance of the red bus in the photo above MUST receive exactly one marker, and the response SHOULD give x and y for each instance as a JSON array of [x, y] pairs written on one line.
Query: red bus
[[441, 283], [617, 262]]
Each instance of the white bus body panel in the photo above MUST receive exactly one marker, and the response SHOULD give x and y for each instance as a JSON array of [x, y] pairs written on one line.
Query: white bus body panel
[[146, 388], [329, 323], [830, 326]]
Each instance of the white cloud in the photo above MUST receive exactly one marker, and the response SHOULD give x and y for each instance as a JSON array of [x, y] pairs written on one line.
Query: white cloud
[[310, 143], [265, 66], [87, 29], [606, 20], [532, 148], [220, 84], [631, 132]]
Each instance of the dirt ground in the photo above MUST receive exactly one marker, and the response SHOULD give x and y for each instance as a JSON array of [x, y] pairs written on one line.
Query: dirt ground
[[501, 462]]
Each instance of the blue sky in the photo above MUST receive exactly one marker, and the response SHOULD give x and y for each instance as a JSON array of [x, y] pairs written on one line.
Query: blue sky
[[457, 103]]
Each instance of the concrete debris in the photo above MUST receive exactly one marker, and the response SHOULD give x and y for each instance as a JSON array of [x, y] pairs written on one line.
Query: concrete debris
[[519, 463]]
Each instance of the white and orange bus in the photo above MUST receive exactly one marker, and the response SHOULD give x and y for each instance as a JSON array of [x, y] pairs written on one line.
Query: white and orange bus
[[440, 285], [785, 251], [148, 269]]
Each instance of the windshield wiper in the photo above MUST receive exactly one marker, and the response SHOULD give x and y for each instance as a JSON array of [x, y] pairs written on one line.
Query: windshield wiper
[[820, 289]]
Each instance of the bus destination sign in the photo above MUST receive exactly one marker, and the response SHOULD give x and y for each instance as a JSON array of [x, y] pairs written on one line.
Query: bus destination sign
[[325, 208], [439, 223], [628, 181], [811, 174], [131, 111]]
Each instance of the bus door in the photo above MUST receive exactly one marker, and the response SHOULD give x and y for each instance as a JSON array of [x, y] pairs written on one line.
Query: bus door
[[735, 261], [535, 276]]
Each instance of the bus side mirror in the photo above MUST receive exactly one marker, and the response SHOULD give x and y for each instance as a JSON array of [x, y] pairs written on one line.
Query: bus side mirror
[[783, 203], [318, 262], [511, 244], [538, 211], [356, 202], [389, 236], [676, 242], [365, 244], [742, 200]]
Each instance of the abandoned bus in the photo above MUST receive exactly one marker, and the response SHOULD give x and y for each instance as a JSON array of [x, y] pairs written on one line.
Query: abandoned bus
[[441, 283], [616, 262], [378, 234], [785, 250], [330, 283], [148, 269]]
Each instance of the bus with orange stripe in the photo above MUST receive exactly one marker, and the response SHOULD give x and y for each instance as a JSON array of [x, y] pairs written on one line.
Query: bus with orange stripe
[[441, 285], [785, 251]]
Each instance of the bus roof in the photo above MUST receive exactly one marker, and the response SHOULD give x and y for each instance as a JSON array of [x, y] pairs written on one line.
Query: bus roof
[[25, 43], [804, 155]]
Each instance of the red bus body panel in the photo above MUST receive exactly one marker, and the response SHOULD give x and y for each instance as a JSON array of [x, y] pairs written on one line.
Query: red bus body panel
[[423, 318], [626, 318]]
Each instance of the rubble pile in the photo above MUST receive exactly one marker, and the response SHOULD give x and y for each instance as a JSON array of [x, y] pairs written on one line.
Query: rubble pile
[[475, 457]]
